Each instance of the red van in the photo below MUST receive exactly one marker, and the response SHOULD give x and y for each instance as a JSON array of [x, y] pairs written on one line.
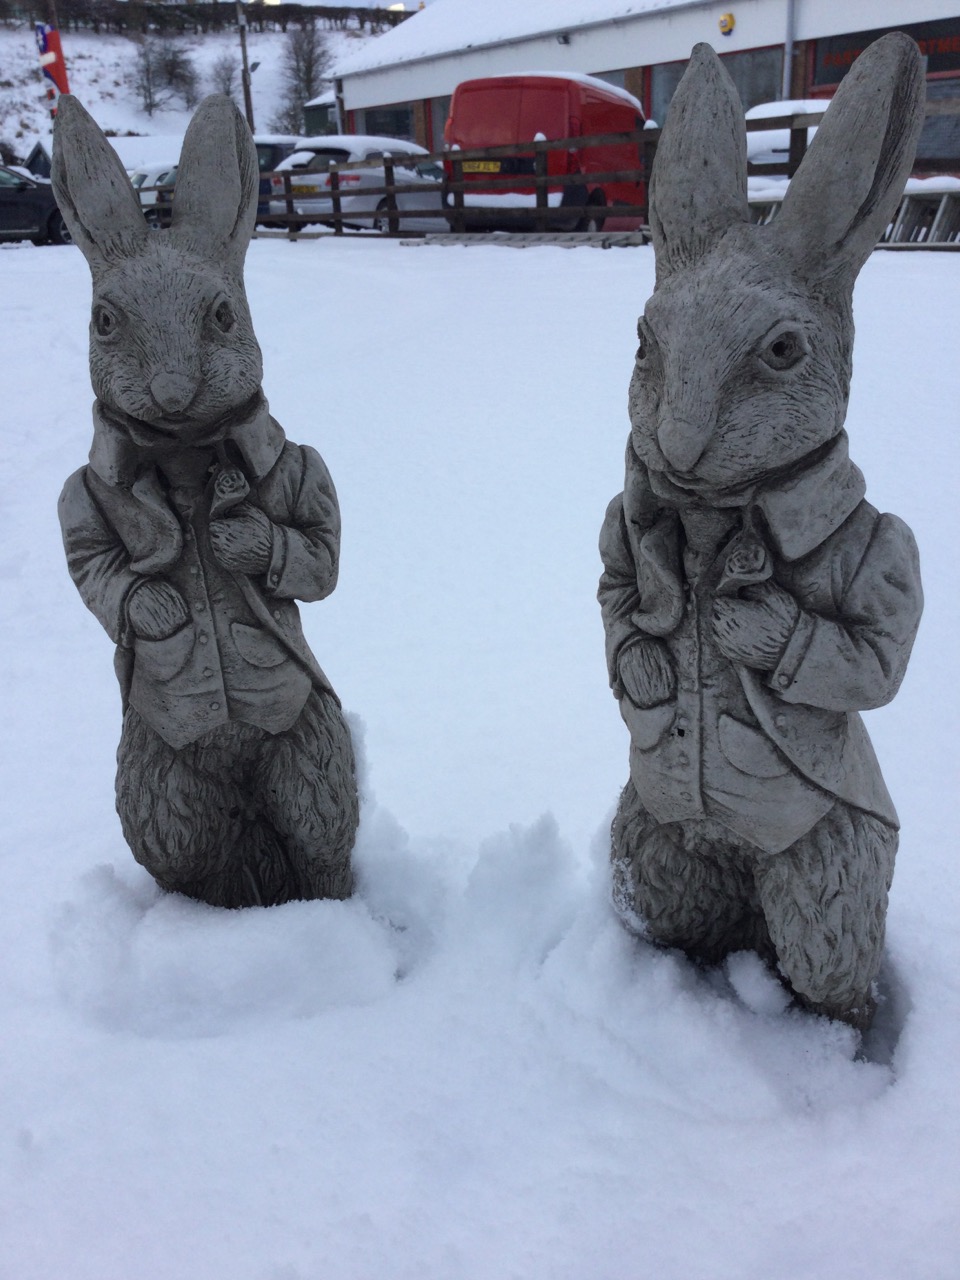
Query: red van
[[500, 110]]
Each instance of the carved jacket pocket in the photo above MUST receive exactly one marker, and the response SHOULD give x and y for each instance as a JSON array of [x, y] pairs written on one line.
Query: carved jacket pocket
[[258, 647], [750, 750], [647, 725], [163, 660]]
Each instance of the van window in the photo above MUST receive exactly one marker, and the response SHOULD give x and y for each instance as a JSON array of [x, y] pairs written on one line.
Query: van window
[[543, 109], [487, 116]]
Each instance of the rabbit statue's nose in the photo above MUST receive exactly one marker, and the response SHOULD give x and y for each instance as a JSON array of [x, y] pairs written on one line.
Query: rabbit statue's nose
[[172, 391], [682, 443]]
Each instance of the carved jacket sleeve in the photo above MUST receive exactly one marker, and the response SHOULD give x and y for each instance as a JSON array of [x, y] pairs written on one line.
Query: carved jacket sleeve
[[299, 497], [850, 646], [97, 559], [618, 593]]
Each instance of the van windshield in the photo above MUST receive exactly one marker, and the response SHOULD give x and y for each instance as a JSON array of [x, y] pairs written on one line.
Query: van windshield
[[490, 115]]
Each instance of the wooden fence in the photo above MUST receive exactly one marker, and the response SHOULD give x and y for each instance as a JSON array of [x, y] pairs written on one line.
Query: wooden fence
[[450, 208]]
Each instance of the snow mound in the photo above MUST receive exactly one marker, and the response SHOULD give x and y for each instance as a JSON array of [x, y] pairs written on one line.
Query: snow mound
[[133, 959]]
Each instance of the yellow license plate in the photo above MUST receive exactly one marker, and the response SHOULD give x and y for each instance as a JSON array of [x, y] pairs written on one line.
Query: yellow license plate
[[481, 166], [303, 191]]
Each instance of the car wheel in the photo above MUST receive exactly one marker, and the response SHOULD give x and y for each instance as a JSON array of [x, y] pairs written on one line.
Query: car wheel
[[381, 219], [57, 230], [153, 219]]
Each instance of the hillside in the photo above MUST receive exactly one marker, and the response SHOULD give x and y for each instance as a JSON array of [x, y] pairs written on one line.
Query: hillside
[[102, 74]]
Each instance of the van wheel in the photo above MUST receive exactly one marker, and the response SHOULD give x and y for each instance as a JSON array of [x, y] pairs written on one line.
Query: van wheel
[[594, 217]]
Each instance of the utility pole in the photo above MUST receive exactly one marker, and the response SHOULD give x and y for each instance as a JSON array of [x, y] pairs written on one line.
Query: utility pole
[[245, 73]]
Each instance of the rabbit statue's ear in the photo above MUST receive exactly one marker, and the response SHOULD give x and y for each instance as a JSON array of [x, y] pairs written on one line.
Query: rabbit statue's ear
[[91, 186], [698, 189], [850, 181], [218, 183]]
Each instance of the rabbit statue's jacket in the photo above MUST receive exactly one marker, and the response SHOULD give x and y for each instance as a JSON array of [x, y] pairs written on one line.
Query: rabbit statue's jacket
[[764, 753], [241, 656]]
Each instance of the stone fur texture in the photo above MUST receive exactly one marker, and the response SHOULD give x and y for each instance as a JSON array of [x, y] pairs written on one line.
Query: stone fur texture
[[753, 601], [192, 531]]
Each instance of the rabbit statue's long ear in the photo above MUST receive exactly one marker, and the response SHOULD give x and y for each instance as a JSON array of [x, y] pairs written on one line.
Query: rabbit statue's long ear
[[95, 196], [218, 183], [699, 185], [850, 181]]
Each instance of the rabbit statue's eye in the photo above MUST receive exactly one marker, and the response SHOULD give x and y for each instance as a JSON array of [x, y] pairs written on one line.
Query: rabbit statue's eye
[[784, 349], [105, 320], [223, 316]]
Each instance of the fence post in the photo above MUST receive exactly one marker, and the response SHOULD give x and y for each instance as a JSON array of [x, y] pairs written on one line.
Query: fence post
[[393, 222], [458, 222], [540, 171], [798, 146], [334, 178], [288, 204]]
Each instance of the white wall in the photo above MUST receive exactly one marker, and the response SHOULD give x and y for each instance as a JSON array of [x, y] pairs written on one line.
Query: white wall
[[645, 40]]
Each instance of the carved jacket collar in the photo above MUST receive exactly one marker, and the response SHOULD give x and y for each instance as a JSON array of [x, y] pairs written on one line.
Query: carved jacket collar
[[123, 447], [800, 511]]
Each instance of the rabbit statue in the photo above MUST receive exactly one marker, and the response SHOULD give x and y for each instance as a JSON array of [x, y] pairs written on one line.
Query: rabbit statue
[[753, 601], [193, 529]]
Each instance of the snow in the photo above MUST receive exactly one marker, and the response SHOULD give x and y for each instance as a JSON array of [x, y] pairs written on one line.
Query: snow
[[772, 146], [469, 1071], [439, 28], [101, 71]]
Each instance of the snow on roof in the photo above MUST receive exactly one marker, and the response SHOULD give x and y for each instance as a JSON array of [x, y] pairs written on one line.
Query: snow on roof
[[453, 26]]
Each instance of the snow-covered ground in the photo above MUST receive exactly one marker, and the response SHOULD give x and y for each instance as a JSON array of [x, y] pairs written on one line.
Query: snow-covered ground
[[101, 70], [469, 1072]]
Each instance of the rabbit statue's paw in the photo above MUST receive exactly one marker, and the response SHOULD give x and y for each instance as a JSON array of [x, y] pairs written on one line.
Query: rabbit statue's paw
[[754, 627], [156, 610], [242, 541], [231, 487], [646, 673]]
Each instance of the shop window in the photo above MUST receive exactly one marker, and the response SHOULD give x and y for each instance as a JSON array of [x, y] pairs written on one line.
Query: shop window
[[388, 122], [756, 73], [940, 139]]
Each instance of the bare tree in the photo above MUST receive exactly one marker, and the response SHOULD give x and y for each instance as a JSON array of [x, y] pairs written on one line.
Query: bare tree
[[179, 73], [225, 75], [162, 72], [306, 61]]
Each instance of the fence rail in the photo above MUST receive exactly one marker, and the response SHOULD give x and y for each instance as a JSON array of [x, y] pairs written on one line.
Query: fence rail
[[544, 203]]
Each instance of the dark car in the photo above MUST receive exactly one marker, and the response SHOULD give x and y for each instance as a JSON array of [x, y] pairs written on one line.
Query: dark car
[[28, 210]]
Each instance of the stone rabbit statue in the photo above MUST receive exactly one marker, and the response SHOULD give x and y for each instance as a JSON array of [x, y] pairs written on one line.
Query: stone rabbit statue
[[753, 600], [193, 529]]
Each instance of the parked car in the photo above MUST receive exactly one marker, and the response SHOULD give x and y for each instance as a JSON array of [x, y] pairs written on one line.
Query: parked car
[[772, 146], [361, 203], [503, 110], [146, 181], [272, 148], [28, 210], [156, 183]]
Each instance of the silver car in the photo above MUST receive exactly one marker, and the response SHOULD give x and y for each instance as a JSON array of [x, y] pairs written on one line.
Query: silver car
[[361, 203]]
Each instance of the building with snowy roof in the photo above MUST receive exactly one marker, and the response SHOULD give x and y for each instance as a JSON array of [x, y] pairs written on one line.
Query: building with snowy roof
[[401, 83]]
